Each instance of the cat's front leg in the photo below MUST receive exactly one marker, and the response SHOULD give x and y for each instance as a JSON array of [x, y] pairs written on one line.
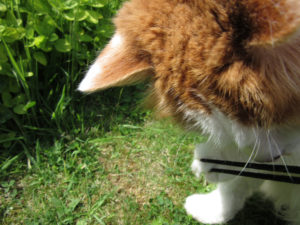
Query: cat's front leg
[[209, 150], [222, 204]]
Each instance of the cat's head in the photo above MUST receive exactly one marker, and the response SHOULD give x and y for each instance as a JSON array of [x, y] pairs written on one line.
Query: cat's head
[[239, 57]]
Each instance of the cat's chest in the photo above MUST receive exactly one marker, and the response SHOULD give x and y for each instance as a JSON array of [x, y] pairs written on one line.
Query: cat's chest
[[258, 143], [220, 128]]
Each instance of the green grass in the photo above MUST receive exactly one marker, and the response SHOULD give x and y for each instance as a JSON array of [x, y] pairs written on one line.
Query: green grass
[[66, 158], [136, 173]]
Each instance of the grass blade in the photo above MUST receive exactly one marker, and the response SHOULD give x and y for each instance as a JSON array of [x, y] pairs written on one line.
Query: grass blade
[[8, 162], [20, 74]]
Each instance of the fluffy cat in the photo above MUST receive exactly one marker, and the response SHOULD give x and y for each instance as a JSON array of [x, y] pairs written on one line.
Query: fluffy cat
[[230, 69]]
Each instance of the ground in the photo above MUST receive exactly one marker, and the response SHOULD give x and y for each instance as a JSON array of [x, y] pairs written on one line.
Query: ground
[[133, 174]]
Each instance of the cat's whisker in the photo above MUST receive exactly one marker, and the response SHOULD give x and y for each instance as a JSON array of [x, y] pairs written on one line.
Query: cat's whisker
[[285, 165], [269, 147], [257, 166], [253, 152], [257, 143], [282, 158], [248, 161], [227, 69]]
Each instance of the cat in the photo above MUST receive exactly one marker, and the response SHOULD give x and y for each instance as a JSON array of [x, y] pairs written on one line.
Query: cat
[[228, 69]]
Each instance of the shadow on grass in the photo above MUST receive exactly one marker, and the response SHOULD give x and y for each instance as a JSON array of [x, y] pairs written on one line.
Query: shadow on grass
[[162, 211], [257, 211]]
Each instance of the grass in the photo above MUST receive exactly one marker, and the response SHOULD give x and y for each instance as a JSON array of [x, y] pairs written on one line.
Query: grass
[[108, 163], [136, 173]]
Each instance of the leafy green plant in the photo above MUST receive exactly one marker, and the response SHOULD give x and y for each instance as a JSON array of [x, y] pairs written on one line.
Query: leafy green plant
[[45, 45]]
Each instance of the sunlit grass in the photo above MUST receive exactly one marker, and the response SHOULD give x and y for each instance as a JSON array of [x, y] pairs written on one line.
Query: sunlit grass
[[111, 178], [137, 173]]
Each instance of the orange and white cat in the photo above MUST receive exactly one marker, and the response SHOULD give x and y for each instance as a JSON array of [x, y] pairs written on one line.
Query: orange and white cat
[[230, 69]]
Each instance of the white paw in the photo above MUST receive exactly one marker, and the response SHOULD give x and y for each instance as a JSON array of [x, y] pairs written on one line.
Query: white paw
[[198, 167], [208, 208]]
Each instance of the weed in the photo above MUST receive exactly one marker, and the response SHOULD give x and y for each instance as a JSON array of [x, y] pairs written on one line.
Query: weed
[[44, 46]]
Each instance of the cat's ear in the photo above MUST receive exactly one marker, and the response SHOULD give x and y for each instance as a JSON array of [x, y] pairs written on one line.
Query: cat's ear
[[276, 21], [117, 65]]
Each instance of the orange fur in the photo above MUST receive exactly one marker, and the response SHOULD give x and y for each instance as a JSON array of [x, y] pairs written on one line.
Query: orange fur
[[241, 57], [230, 68]]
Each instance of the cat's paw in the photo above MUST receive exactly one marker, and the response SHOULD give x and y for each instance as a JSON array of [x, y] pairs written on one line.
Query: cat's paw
[[199, 167], [208, 208]]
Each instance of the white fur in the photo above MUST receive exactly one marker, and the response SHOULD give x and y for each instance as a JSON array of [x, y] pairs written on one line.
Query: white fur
[[222, 204], [116, 41], [229, 140], [87, 84], [207, 208], [88, 81], [264, 145]]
